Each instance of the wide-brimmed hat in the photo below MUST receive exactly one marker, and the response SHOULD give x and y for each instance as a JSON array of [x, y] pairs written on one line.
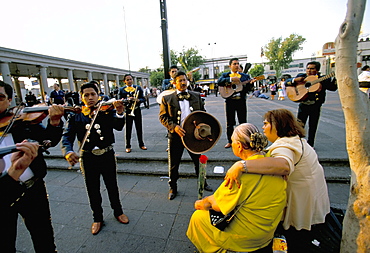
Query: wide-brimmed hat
[[202, 132]]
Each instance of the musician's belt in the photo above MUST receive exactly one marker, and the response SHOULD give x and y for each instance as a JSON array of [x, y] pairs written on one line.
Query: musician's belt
[[236, 97], [100, 151]]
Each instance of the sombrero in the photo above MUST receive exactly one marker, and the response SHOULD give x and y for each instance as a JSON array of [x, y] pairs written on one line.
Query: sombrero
[[202, 132]]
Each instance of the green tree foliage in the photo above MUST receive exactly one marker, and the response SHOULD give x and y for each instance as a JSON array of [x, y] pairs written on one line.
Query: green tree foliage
[[174, 60], [190, 59], [280, 52], [156, 78], [257, 70], [145, 70]]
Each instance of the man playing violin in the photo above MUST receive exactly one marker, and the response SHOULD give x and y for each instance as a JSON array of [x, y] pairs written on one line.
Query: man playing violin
[[135, 96], [10, 174], [237, 102], [32, 202], [97, 157], [311, 106]]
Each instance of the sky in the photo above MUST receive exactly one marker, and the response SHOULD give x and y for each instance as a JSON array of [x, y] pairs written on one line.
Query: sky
[[127, 34]]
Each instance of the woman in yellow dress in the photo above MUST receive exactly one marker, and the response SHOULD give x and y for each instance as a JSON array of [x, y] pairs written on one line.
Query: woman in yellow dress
[[253, 226]]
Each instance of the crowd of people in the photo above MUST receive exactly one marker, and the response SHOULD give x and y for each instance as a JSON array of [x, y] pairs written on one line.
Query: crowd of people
[[283, 189]]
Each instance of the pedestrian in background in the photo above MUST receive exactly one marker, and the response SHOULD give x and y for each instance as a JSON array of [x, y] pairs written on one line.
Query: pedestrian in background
[[146, 92], [57, 96], [31, 99]]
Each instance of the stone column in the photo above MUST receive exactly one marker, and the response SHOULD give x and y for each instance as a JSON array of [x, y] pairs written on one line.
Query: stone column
[[117, 81], [106, 85], [89, 76], [7, 78], [135, 80], [71, 82], [43, 82], [17, 88]]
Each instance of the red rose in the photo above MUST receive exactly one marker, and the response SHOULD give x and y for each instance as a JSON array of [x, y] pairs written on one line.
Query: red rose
[[203, 159]]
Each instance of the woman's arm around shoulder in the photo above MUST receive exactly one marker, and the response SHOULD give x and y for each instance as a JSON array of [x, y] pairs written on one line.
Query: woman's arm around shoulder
[[266, 166]]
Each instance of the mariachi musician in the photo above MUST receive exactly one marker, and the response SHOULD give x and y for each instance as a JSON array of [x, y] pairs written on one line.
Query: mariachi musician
[[94, 131], [133, 94], [310, 108], [236, 103], [28, 191]]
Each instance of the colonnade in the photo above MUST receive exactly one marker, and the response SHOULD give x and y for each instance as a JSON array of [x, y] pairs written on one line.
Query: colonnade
[[15, 64]]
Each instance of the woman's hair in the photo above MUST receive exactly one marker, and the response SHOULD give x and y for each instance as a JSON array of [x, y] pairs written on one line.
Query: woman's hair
[[250, 137], [285, 122]]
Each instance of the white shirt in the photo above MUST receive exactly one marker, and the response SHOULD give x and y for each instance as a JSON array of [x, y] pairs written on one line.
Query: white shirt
[[185, 107], [8, 141], [146, 92]]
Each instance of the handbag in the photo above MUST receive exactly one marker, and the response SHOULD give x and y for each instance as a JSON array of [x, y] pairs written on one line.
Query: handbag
[[221, 221]]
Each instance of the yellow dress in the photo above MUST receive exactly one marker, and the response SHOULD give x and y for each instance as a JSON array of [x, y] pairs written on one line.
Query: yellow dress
[[254, 224]]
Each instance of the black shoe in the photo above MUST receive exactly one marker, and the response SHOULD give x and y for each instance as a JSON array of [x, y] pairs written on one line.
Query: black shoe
[[208, 188], [172, 194]]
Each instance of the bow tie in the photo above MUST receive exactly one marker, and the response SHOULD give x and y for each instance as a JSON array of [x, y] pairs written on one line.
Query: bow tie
[[183, 95]]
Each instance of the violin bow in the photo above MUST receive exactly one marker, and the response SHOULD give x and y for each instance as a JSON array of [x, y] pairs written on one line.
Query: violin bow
[[12, 120], [89, 129]]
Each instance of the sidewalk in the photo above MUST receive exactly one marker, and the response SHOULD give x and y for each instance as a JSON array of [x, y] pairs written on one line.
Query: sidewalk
[[157, 224]]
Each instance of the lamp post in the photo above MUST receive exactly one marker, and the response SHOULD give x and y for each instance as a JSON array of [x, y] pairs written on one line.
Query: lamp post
[[213, 67]]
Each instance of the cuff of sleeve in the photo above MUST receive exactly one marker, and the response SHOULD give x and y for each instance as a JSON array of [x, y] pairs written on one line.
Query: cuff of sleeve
[[4, 173]]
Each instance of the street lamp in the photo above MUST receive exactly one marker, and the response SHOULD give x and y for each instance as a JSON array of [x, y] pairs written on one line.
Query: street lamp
[[213, 67]]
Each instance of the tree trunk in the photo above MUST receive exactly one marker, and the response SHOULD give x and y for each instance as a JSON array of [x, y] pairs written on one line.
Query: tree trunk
[[356, 108]]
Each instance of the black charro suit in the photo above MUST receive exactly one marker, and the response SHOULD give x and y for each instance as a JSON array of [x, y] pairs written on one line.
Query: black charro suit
[[170, 117], [236, 103], [93, 166], [31, 203], [310, 109]]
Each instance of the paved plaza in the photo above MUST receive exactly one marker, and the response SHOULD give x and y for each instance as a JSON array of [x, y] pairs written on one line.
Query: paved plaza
[[157, 224]]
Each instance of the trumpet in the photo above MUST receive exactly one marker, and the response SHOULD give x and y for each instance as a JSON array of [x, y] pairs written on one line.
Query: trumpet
[[194, 70], [132, 108], [189, 74]]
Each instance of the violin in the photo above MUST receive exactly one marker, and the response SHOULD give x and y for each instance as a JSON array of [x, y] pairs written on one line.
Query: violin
[[29, 115], [103, 106], [13, 148]]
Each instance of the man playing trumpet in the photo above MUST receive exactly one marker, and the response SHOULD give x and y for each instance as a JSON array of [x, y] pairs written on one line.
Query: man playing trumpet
[[134, 95]]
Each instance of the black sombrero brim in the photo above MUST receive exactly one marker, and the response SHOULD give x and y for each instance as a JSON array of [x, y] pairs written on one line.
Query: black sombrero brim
[[200, 146]]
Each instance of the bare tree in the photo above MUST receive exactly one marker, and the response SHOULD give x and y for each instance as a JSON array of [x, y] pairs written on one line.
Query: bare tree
[[356, 107]]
